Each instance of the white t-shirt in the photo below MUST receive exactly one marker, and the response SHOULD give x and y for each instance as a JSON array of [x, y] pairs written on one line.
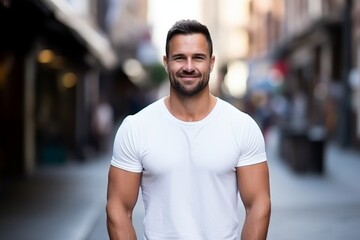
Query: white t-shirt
[[188, 169]]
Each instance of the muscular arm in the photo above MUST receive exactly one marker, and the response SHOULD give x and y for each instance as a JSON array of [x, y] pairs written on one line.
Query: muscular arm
[[253, 185], [123, 189]]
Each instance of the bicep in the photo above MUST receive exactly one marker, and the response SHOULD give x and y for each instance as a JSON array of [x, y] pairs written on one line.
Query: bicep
[[253, 183], [123, 188]]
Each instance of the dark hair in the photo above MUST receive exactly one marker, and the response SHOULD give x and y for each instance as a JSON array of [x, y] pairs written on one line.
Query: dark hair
[[186, 27]]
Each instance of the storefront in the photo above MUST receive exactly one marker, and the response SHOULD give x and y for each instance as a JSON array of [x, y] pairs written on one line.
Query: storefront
[[50, 65], [311, 87]]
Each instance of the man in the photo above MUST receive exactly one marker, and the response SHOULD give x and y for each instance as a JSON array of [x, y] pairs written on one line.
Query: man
[[191, 153]]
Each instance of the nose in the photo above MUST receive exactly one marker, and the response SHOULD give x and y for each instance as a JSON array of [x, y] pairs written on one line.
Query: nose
[[189, 66]]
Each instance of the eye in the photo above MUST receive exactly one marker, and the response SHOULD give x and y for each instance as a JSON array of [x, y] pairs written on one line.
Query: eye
[[178, 58], [199, 58]]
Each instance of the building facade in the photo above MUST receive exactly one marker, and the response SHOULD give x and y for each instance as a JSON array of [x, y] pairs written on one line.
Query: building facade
[[52, 56], [317, 40]]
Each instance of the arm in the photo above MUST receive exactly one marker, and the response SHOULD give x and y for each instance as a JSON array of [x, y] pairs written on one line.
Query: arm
[[253, 185], [123, 190]]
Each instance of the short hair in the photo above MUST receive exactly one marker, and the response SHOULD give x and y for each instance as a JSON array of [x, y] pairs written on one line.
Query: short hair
[[187, 27]]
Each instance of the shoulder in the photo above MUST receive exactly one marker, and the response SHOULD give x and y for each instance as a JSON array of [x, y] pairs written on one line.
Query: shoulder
[[144, 120], [132, 127], [231, 112], [240, 122], [147, 113]]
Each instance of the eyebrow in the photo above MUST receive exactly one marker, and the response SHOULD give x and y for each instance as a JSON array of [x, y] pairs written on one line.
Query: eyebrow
[[177, 55], [200, 55], [194, 55]]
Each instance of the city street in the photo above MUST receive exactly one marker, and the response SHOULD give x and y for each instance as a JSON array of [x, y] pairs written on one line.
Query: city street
[[68, 202], [71, 71], [315, 207]]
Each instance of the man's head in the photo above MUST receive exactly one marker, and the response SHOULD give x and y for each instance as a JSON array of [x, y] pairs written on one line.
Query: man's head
[[186, 27], [189, 59]]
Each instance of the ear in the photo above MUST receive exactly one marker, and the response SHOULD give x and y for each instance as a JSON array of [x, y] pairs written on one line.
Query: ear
[[212, 62], [165, 63]]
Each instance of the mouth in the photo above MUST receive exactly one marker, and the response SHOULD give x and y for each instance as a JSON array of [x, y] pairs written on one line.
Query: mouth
[[188, 77]]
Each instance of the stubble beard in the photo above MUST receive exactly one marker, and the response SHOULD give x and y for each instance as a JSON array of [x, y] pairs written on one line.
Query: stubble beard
[[188, 91]]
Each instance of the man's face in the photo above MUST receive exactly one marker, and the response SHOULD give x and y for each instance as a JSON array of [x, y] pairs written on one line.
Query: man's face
[[189, 64]]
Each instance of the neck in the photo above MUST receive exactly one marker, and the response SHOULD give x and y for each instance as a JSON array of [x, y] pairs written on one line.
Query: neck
[[190, 109]]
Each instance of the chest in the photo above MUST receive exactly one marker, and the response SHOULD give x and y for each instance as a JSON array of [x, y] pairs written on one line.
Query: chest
[[208, 149]]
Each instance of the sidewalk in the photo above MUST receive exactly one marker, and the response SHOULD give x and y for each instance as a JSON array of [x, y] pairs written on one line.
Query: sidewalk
[[310, 206], [57, 203]]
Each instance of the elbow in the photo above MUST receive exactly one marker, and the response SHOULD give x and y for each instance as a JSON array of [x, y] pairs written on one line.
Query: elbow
[[261, 208], [110, 215], [119, 223], [266, 203], [265, 207], [265, 211], [115, 210]]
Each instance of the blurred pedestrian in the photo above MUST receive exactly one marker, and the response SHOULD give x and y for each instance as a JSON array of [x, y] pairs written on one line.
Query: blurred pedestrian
[[262, 113], [191, 153]]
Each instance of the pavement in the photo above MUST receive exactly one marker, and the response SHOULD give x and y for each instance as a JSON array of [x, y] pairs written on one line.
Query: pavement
[[59, 202], [311, 206], [67, 202]]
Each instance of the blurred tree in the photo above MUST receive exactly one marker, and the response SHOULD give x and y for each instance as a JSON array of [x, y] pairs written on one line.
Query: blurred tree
[[157, 74]]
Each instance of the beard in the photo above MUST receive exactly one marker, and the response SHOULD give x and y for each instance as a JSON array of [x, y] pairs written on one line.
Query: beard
[[187, 90]]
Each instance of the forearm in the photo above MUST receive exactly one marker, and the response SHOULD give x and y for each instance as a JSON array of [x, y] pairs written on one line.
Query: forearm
[[119, 225], [256, 223]]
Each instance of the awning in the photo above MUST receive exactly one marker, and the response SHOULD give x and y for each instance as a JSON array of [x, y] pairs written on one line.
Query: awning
[[96, 42]]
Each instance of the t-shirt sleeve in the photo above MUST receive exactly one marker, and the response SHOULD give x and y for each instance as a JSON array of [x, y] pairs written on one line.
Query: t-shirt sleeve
[[252, 144], [125, 149]]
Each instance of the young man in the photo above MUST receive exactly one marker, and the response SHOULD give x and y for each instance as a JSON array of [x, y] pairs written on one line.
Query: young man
[[191, 153]]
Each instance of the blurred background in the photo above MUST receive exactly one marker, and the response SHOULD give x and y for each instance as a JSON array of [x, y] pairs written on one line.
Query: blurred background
[[71, 70]]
